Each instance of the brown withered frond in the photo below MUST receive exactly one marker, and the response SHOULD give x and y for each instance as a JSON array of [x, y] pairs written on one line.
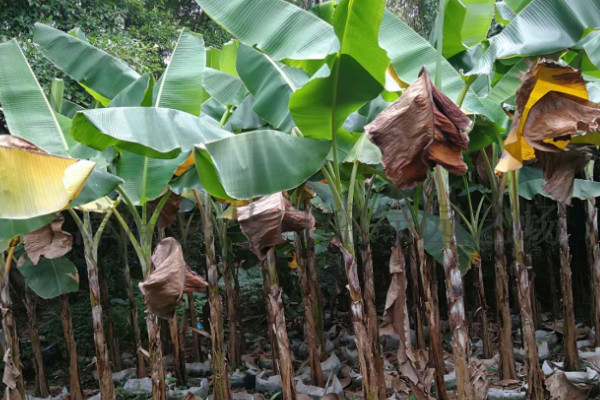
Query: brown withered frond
[[421, 129]]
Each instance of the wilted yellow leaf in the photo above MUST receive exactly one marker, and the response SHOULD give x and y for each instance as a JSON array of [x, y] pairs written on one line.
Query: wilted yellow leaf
[[35, 183]]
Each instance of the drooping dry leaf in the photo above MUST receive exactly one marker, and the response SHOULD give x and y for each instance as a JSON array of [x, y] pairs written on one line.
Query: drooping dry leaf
[[421, 129], [48, 241], [556, 118], [264, 221], [560, 169], [11, 374], [169, 280], [544, 77], [561, 388], [169, 212]]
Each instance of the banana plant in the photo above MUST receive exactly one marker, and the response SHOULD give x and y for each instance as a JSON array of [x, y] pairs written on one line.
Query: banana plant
[[30, 116]]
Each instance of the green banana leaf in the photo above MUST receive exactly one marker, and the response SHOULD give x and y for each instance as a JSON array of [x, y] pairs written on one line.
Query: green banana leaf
[[516, 5], [322, 105], [139, 93], [276, 27], [409, 53], [507, 86], [213, 109], [93, 68], [466, 23], [228, 58], [527, 34], [145, 178], [224, 88], [100, 184], [51, 278], [244, 118], [364, 151], [26, 109], [187, 182], [9, 228], [432, 237], [213, 58], [69, 109], [270, 86], [149, 131], [592, 48], [258, 163], [180, 86]]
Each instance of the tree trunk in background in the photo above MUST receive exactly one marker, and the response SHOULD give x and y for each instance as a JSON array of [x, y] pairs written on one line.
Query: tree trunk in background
[[67, 324], [535, 379], [107, 387], [372, 320], [221, 389], [286, 368], [436, 355], [194, 324], [42, 389], [400, 320], [456, 313], [234, 349], [366, 359], [314, 345], [552, 270], [485, 331], [278, 327], [507, 357], [157, 373], [454, 289], [270, 317], [178, 351], [111, 340], [313, 278], [593, 247], [416, 297], [140, 365], [236, 298], [13, 370], [570, 334]]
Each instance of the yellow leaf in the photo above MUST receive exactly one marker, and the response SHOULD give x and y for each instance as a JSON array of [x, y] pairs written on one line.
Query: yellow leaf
[[184, 166], [102, 205], [35, 183]]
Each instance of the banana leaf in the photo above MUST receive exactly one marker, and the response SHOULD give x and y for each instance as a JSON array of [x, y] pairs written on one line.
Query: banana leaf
[[357, 75], [269, 84], [276, 27], [180, 86], [103, 75], [51, 278], [149, 131], [258, 163]]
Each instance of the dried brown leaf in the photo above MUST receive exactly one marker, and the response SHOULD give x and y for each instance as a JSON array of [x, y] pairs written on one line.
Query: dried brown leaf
[[169, 280], [49, 241], [169, 212], [561, 388], [556, 118], [421, 129], [560, 169], [264, 221]]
